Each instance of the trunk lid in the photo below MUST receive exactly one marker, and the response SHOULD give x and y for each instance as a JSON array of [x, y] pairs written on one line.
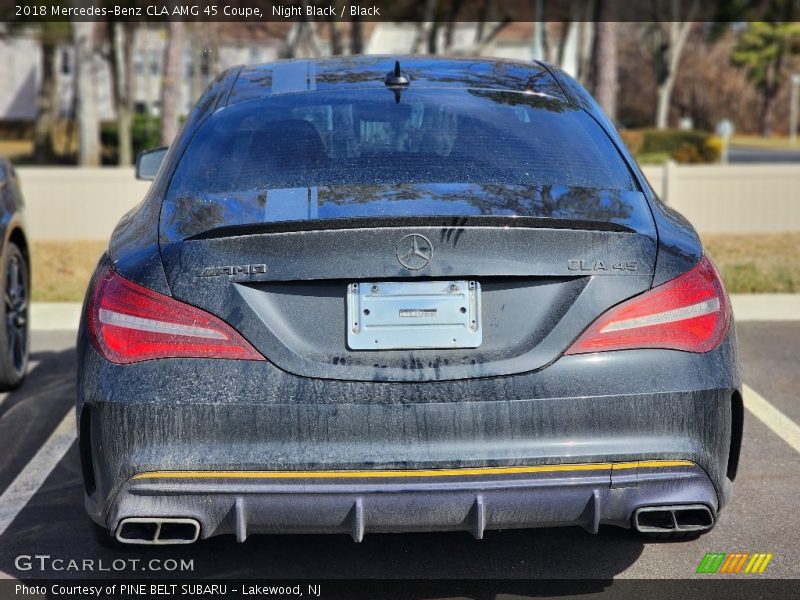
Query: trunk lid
[[283, 284]]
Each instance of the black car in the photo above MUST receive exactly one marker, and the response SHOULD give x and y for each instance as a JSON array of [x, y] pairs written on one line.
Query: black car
[[427, 294], [16, 281]]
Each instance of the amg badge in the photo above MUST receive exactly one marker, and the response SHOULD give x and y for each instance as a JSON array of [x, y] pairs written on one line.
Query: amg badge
[[232, 270]]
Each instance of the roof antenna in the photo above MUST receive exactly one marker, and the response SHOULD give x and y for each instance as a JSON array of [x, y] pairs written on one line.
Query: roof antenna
[[397, 81]]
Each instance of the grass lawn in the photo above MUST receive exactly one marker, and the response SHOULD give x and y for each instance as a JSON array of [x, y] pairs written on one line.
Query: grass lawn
[[776, 142], [652, 158], [757, 263], [749, 263], [14, 149], [61, 270]]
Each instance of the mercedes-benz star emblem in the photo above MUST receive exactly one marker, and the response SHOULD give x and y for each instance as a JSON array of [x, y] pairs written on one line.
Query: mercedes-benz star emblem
[[414, 251]]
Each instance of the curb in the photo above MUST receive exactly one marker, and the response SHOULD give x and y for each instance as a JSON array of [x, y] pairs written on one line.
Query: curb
[[55, 316], [766, 307]]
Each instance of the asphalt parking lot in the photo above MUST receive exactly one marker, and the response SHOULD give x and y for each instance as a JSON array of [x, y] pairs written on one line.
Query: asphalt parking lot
[[41, 508], [749, 155]]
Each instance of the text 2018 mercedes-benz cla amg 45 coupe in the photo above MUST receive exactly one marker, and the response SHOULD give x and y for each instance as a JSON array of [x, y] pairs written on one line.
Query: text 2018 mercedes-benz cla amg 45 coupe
[[369, 295]]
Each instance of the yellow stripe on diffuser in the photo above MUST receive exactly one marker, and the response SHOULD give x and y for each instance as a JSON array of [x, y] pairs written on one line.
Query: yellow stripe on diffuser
[[377, 474]]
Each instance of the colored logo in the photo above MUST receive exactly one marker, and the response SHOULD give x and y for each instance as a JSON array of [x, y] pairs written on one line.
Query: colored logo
[[737, 562]]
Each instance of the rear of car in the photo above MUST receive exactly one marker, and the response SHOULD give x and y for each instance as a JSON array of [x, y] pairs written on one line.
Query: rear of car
[[436, 295]]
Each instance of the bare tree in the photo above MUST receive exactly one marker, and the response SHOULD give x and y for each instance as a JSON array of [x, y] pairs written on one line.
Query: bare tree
[[582, 15], [335, 32], [585, 43], [605, 61], [455, 8], [214, 46], [122, 79], [481, 46], [425, 29], [45, 104], [88, 126], [356, 36], [542, 31], [304, 41], [559, 49], [49, 35], [171, 81], [670, 37], [149, 91], [197, 46]]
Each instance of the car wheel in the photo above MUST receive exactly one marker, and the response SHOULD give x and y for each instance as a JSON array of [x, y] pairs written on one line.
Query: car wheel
[[14, 326]]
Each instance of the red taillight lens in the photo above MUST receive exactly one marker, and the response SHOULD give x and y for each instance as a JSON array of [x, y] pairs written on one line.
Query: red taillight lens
[[689, 313], [130, 323]]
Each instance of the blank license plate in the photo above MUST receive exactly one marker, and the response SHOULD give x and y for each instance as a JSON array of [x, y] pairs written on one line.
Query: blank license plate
[[413, 314]]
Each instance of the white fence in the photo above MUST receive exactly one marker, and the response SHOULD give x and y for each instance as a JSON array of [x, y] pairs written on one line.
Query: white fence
[[758, 198], [70, 203], [63, 203]]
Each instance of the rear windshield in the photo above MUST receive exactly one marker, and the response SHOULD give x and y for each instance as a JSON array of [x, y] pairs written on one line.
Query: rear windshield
[[267, 160]]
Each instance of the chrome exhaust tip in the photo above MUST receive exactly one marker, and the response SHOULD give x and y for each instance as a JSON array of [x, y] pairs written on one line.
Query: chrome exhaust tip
[[665, 519], [157, 531]]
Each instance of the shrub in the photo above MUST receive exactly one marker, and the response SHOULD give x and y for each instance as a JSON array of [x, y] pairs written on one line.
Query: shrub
[[669, 140], [16, 130], [712, 149], [681, 146], [143, 138], [633, 140], [686, 154]]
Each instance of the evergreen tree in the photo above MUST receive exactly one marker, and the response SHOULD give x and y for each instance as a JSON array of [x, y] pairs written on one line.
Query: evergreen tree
[[764, 50]]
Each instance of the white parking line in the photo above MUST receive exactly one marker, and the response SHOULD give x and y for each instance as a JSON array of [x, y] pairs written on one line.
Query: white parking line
[[31, 478], [779, 423]]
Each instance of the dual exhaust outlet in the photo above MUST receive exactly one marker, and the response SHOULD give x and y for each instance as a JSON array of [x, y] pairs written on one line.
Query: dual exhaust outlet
[[667, 519], [156, 531]]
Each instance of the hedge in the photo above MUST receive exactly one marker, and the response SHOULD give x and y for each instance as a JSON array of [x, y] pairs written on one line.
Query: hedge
[[141, 137], [682, 146]]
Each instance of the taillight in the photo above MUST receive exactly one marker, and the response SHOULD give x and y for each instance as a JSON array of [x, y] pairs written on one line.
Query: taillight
[[130, 323], [688, 313]]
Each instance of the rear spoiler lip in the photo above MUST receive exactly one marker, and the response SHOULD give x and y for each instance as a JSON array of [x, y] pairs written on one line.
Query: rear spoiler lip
[[447, 222]]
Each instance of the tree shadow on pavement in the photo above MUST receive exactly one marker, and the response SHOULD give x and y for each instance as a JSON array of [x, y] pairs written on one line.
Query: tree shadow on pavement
[[29, 414]]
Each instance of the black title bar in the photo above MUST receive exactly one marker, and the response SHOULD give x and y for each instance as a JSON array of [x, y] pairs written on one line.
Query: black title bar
[[32, 11]]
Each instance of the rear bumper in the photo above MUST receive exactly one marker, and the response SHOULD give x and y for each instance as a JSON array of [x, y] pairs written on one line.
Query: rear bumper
[[383, 501], [234, 416], [123, 441]]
